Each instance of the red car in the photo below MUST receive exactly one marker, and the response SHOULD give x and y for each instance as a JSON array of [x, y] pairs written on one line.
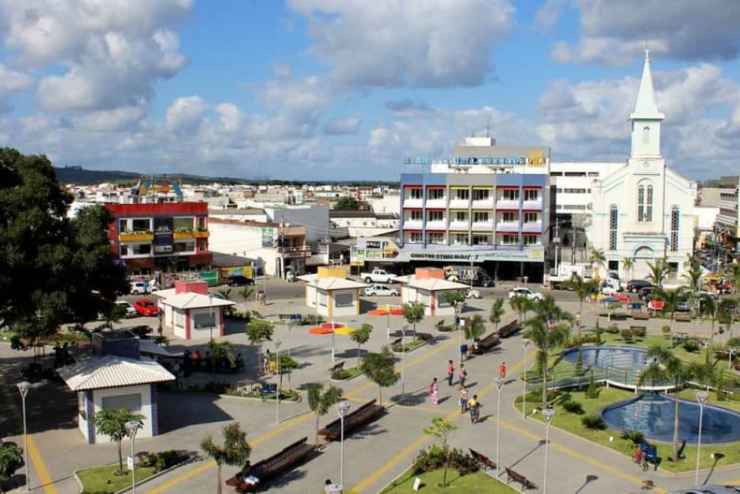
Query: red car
[[146, 308], [622, 297]]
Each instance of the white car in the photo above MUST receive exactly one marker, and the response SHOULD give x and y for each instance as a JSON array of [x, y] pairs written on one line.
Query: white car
[[381, 290], [139, 288], [526, 293], [127, 307]]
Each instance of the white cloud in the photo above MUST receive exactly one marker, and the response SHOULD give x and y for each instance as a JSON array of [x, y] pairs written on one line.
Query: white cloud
[[342, 125], [109, 120], [424, 43], [185, 114], [615, 32]]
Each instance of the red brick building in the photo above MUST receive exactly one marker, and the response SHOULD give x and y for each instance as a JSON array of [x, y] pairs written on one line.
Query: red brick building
[[165, 236]]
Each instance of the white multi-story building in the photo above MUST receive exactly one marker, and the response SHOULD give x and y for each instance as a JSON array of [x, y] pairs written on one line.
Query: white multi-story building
[[727, 200]]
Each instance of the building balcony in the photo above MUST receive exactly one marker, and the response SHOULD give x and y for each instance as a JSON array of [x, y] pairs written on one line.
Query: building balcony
[[413, 203], [533, 205], [484, 204], [436, 203], [483, 225], [534, 226], [436, 225], [136, 236], [412, 224], [507, 227], [459, 225], [459, 203], [295, 251], [506, 204]]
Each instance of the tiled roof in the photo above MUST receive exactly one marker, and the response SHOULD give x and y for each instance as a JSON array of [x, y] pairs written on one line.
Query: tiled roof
[[112, 371], [191, 300], [431, 284]]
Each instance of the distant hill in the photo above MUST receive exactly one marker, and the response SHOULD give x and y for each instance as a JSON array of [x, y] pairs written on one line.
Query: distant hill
[[81, 176]]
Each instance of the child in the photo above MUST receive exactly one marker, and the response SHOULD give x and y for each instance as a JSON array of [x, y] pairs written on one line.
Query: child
[[434, 392], [463, 375]]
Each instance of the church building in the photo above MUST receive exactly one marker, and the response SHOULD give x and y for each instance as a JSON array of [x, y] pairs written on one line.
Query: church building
[[643, 210]]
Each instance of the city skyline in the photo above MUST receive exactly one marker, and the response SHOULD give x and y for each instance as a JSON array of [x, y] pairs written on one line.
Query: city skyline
[[311, 89]]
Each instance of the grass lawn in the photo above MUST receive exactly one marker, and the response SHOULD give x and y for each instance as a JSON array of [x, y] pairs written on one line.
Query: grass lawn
[[410, 344], [479, 482], [690, 394], [572, 423], [100, 480], [346, 374]]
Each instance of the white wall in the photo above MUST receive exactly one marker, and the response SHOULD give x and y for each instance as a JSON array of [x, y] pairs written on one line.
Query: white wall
[[314, 218], [146, 407], [205, 332], [242, 240]]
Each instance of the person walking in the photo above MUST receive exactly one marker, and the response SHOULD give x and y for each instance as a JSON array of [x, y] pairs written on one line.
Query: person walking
[[450, 372], [434, 392], [474, 407], [463, 400], [502, 370], [463, 375]]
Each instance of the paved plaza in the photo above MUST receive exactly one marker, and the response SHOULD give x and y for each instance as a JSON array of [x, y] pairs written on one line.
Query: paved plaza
[[375, 455]]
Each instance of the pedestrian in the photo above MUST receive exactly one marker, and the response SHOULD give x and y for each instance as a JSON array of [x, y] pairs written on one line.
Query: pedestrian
[[463, 375], [266, 358], [450, 372], [502, 370], [463, 400], [434, 392], [474, 407]]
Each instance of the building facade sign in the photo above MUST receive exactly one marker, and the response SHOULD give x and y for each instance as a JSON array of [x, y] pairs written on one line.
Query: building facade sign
[[359, 256]]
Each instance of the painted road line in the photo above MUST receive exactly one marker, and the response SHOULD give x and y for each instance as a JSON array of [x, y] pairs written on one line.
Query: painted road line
[[366, 483], [40, 467], [165, 486]]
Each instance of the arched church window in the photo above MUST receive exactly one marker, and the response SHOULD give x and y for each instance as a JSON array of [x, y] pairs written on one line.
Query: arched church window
[[613, 226], [644, 203], [646, 134]]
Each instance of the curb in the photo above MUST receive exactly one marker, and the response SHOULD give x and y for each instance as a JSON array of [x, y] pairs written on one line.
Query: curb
[[139, 482]]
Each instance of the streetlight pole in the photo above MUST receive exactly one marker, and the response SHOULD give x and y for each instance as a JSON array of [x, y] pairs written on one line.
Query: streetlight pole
[[23, 388], [403, 355], [499, 385], [132, 427], [701, 397], [460, 328], [277, 388], [547, 413], [525, 346], [342, 409]]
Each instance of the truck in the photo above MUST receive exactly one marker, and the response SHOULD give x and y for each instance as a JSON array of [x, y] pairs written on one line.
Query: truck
[[378, 275], [564, 272], [466, 274]]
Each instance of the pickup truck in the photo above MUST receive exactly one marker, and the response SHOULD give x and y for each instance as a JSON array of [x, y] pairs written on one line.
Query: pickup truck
[[378, 275]]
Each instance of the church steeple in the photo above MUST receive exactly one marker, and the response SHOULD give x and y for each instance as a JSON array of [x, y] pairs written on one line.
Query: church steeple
[[646, 118], [645, 107]]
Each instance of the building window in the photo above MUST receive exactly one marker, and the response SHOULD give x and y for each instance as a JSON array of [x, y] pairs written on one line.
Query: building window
[[142, 225], [123, 250], [122, 226], [460, 239], [435, 216], [344, 300], [481, 194], [509, 217], [531, 239], [480, 217], [531, 217], [613, 225], [184, 247], [416, 215], [462, 194], [414, 193], [415, 237], [436, 238], [644, 203], [184, 224], [479, 239], [531, 194], [675, 216], [510, 239], [461, 216], [511, 195], [434, 194]]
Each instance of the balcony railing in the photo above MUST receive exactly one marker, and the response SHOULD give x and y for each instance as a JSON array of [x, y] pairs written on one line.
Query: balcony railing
[[300, 251], [436, 203], [140, 236], [459, 225], [511, 226], [412, 203], [536, 204], [507, 204], [534, 226], [483, 204], [412, 224], [459, 203]]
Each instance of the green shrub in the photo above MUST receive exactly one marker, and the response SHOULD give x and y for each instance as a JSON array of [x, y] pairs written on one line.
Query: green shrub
[[592, 391], [626, 334], [612, 329], [433, 458], [666, 329], [691, 346], [639, 332], [573, 407], [636, 437], [734, 342], [594, 422]]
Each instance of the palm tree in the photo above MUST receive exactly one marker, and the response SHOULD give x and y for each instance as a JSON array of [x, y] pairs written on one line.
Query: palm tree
[[476, 328], [726, 309], [628, 263], [693, 279], [672, 298], [665, 367], [235, 449], [361, 335], [583, 289], [320, 400], [658, 271], [497, 312], [442, 428], [598, 258], [520, 305], [710, 308]]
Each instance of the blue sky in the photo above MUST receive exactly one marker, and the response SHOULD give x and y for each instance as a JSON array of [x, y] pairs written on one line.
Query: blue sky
[[344, 89]]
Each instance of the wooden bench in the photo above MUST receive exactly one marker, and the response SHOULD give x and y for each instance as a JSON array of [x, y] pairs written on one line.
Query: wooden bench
[[369, 412], [640, 315], [682, 317], [639, 331], [253, 477], [509, 329], [519, 479], [483, 459], [487, 343]]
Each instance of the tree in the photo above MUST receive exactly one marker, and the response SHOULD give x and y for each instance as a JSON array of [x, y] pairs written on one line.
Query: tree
[[672, 298], [665, 367], [320, 400], [475, 328], [246, 292], [583, 290], [726, 313], [456, 299], [361, 335], [658, 272], [708, 307], [347, 203], [112, 423], [520, 304], [380, 369], [628, 263], [735, 275], [413, 313], [598, 259], [54, 270], [226, 293], [693, 278], [11, 459], [441, 429], [497, 312], [234, 451]]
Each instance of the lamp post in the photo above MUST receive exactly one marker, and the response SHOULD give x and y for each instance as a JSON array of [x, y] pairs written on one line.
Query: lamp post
[[525, 347], [277, 388], [548, 414], [460, 329], [403, 355], [499, 386], [132, 427], [342, 409], [23, 388], [701, 397]]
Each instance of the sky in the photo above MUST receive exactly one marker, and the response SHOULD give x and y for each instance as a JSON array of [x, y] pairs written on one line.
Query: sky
[[347, 89]]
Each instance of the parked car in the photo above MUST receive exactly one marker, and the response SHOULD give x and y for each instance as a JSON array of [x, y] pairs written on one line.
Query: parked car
[[525, 292], [378, 275], [381, 291], [239, 280], [472, 293], [683, 306], [645, 294], [126, 308], [139, 288], [146, 307], [635, 286]]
